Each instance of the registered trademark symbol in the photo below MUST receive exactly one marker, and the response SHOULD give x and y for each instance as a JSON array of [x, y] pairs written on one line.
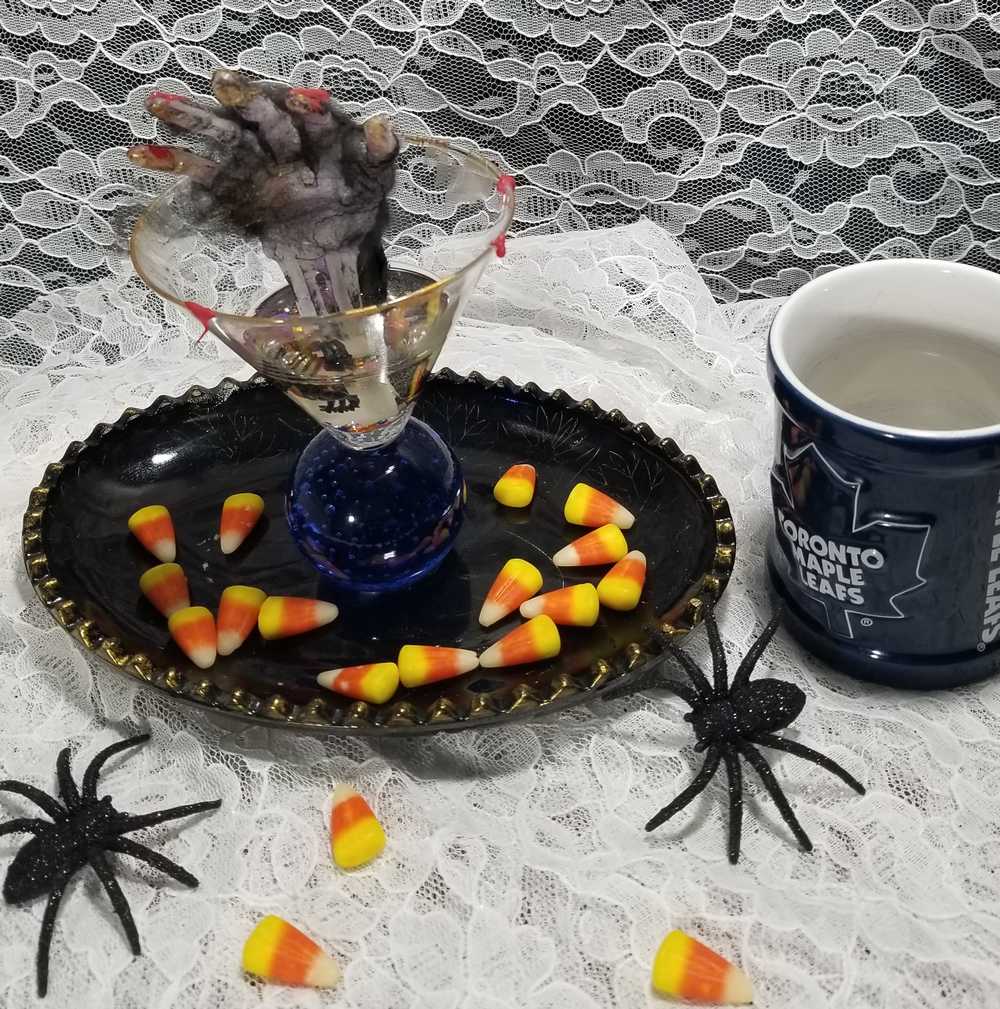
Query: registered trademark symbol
[[981, 647], [866, 621]]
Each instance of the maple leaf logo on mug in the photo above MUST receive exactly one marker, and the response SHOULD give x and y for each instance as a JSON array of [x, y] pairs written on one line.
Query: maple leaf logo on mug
[[857, 573]]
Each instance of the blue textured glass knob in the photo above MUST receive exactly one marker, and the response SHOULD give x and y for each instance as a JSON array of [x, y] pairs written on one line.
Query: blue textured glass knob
[[378, 518]]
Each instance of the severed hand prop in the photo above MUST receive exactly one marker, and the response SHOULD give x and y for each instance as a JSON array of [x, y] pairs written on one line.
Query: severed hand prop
[[294, 170]]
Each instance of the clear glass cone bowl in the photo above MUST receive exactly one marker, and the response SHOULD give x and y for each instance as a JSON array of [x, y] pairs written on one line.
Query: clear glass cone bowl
[[376, 498]]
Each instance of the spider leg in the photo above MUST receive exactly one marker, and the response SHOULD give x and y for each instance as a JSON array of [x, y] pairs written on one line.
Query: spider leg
[[698, 679], [126, 847], [67, 786], [24, 826], [766, 775], [104, 873], [162, 815], [646, 679], [754, 653], [36, 795], [807, 753], [720, 672], [94, 768], [701, 780], [680, 690], [735, 776], [48, 924]]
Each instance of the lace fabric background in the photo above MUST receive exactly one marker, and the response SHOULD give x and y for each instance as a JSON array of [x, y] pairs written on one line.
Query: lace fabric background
[[773, 140]]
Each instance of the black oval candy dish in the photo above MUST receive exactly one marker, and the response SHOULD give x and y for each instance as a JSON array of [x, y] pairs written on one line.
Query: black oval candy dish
[[189, 453]]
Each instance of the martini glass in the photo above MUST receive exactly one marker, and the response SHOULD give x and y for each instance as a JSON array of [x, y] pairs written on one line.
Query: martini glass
[[376, 499]]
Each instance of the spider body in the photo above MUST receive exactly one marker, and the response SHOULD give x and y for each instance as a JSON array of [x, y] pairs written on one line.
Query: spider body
[[762, 706], [37, 864], [730, 720], [82, 829]]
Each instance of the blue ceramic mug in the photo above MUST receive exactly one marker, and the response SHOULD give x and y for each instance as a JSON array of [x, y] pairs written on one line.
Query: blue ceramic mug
[[885, 544]]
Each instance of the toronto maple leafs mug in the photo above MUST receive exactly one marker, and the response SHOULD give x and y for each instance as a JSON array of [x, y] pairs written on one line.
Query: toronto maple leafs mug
[[885, 544]]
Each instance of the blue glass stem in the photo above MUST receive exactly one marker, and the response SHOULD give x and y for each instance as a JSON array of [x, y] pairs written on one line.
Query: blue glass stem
[[379, 518]]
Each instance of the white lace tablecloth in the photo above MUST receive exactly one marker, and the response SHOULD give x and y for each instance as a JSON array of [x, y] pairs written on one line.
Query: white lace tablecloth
[[517, 872]]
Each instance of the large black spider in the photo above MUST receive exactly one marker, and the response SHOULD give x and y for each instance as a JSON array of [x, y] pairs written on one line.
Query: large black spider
[[730, 720], [84, 827]]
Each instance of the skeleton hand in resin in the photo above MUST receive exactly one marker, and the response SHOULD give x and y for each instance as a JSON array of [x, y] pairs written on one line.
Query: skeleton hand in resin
[[295, 171]]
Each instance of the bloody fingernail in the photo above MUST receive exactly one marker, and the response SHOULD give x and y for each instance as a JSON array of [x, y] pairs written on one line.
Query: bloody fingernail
[[163, 96], [314, 98]]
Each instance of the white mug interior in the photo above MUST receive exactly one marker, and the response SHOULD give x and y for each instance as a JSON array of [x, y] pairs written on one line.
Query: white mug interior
[[820, 319]]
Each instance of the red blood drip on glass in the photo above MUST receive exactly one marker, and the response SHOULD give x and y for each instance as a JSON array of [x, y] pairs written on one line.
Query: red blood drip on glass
[[500, 244], [202, 314], [505, 184]]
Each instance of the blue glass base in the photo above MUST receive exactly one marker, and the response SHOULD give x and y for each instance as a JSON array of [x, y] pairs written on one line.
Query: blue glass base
[[380, 518]]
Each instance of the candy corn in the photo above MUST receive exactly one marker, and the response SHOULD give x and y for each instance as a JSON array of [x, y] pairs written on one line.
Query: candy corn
[[518, 580], [166, 587], [356, 837], [238, 611], [420, 664], [240, 513], [684, 968], [283, 616], [621, 587], [375, 683], [531, 642], [587, 506], [194, 631], [278, 951], [516, 487], [152, 527], [602, 546], [573, 606]]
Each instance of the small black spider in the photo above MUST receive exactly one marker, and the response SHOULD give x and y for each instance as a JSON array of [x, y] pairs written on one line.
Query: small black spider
[[728, 719], [81, 832]]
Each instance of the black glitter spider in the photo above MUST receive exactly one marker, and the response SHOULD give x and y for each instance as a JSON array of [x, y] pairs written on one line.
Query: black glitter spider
[[82, 831], [730, 720]]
